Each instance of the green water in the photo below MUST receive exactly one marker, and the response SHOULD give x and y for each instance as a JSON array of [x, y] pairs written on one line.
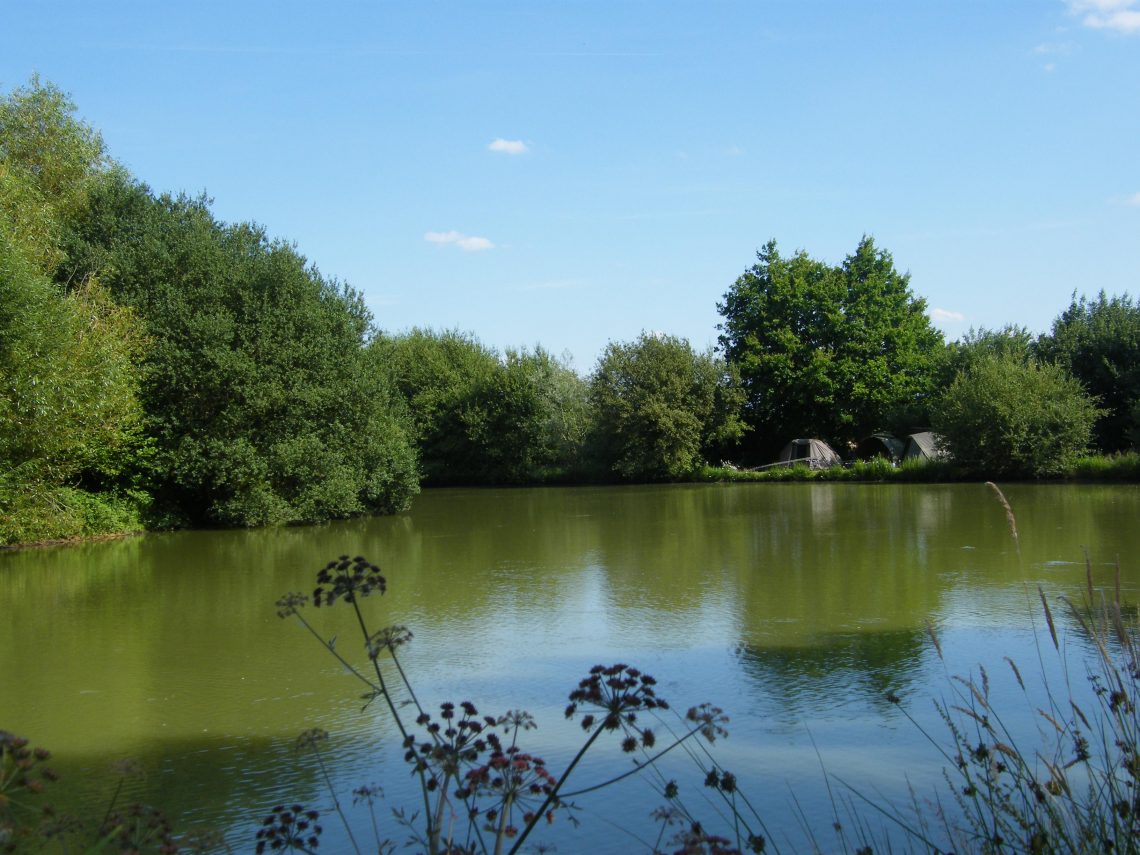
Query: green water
[[793, 606]]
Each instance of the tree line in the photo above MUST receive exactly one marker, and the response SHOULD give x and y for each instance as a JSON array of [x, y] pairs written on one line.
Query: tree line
[[161, 367]]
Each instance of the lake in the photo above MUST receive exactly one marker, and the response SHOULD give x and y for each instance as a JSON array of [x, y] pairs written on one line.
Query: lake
[[794, 607]]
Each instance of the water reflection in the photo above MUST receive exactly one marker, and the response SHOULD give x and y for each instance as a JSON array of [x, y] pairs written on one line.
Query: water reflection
[[836, 673]]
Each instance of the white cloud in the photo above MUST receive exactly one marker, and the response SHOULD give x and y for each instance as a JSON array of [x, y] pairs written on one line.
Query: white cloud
[[1122, 16], [946, 315], [467, 243], [508, 146], [1133, 200]]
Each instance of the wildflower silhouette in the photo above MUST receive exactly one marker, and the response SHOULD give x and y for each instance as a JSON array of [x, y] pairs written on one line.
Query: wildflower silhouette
[[473, 773]]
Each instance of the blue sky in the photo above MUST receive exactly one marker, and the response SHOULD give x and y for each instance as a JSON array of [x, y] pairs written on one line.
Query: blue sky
[[570, 173]]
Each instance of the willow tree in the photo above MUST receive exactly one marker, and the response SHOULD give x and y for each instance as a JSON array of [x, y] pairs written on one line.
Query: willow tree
[[69, 370]]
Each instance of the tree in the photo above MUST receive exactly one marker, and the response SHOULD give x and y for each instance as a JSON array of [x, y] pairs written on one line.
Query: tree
[[260, 398], [1011, 341], [828, 351], [658, 406], [1006, 416], [69, 356], [483, 418], [528, 417], [1098, 342], [439, 375], [49, 160]]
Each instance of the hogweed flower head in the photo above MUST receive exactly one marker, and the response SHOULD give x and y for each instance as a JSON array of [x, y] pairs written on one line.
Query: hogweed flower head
[[347, 578], [311, 738], [457, 739], [290, 827], [291, 603], [617, 693], [388, 638], [21, 766], [711, 721], [140, 828]]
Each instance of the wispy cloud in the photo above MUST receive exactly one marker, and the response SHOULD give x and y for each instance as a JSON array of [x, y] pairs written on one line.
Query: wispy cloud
[[467, 243], [1121, 16], [946, 315], [508, 146], [1132, 201]]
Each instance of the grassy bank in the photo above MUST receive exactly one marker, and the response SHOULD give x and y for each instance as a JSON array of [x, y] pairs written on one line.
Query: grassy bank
[[70, 514], [1120, 468]]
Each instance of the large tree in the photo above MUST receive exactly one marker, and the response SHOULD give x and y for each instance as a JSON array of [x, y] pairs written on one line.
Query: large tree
[[261, 399], [828, 351], [1098, 342], [69, 372], [659, 407]]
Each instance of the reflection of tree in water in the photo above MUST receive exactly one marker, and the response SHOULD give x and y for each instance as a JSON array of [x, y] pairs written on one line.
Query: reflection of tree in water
[[837, 671], [208, 784]]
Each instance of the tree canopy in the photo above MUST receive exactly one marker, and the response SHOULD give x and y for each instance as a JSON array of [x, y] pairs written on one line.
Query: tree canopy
[[1098, 342], [828, 351], [69, 356], [1004, 415], [485, 418], [259, 396], [659, 407]]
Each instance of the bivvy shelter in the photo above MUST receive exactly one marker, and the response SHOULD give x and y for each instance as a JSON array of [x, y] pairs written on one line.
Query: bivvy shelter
[[924, 445], [884, 445], [814, 453]]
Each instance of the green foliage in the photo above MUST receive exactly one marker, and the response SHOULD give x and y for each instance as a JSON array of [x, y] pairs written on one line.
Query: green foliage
[[1098, 342], [262, 403], [834, 352], [918, 471], [1004, 416], [67, 398], [529, 416], [1010, 341], [48, 162], [659, 407], [1124, 466], [39, 513], [480, 418], [68, 405]]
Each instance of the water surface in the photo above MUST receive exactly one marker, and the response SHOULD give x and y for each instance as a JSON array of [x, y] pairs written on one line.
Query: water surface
[[795, 607]]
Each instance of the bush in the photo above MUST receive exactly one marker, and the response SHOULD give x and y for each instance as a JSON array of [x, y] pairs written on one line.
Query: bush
[[659, 407], [1004, 416]]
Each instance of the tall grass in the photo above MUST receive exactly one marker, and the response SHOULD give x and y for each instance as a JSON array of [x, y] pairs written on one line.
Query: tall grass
[[1116, 467], [879, 469]]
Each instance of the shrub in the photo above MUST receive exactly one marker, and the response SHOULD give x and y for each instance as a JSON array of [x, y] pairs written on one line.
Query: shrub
[[1003, 416]]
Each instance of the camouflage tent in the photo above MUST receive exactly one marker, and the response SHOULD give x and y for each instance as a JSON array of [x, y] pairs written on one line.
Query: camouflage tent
[[924, 446], [880, 445], [815, 453]]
